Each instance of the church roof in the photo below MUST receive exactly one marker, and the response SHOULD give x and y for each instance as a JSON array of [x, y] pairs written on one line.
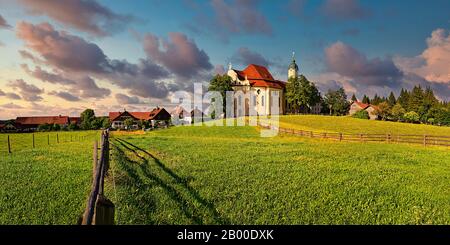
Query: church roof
[[259, 76]]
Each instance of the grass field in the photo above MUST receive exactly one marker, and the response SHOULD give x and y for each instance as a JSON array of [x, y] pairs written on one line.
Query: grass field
[[230, 175], [46, 185], [24, 141], [353, 125]]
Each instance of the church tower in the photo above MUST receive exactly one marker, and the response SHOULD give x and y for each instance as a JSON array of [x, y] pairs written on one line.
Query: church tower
[[293, 68]]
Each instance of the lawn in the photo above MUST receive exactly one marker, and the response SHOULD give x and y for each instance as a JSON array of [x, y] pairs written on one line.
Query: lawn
[[348, 124], [24, 141], [230, 175], [48, 184]]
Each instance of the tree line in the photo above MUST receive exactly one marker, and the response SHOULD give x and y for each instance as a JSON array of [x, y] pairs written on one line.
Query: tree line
[[88, 121], [416, 106]]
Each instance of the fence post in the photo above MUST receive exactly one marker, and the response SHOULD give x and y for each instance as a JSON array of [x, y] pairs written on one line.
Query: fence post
[[104, 211], [33, 141], [9, 145], [340, 136], [424, 140], [95, 159], [311, 134], [57, 138], [48, 139], [360, 137], [388, 138]]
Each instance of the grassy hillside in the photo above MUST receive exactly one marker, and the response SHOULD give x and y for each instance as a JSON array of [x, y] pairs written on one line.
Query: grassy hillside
[[230, 175], [46, 185], [353, 125]]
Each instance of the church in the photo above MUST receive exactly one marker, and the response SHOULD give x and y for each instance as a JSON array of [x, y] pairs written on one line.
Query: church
[[257, 81]]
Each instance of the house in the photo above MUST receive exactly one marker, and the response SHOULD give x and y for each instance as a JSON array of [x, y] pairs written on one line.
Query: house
[[180, 116], [259, 87], [156, 117], [75, 120], [358, 106], [27, 124], [197, 116]]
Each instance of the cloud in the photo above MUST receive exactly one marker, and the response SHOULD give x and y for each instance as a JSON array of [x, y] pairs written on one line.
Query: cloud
[[124, 99], [241, 16], [11, 106], [2, 93], [179, 55], [347, 61], [344, 10], [3, 23], [28, 92], [74, 55], [433, 63], [9, 95], [61, 49], [296, 7], [83, 15], [245, 56], [46, 76], [87, 88], [65, 95]]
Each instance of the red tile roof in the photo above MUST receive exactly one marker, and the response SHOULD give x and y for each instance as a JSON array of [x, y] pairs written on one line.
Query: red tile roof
[[362, 105], [137, 115], [259, 76], [61, 120]]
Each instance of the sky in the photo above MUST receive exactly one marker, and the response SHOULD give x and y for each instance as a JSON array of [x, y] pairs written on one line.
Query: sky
[[61, 57]]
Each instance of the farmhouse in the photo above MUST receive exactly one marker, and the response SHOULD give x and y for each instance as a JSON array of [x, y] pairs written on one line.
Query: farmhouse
[[358, 106], [180, 116], [32, 123], [158, 116]]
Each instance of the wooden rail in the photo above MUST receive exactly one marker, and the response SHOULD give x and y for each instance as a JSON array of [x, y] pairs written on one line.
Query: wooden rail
[[361, 137], [99, 210]]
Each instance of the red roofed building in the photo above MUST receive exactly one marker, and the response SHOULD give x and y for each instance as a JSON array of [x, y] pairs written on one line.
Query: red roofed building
[[261, 91], [32, 123], [156, 116], [358, 106]]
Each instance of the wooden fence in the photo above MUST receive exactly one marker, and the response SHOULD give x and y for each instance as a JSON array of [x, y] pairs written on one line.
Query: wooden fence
[[10, 143], [386, 138], [99, 210]]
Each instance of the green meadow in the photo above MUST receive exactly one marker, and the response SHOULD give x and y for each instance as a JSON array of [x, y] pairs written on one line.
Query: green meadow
[[230, 175], [48, 184]]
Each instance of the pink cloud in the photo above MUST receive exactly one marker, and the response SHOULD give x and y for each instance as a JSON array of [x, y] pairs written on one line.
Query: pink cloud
[[179, 54], [84, 15]]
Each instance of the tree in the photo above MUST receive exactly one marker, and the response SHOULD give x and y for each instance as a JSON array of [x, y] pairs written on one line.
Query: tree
[[391, 100], [301, 94], [97, 123], [397, 112], [222, 84], [403, 98], [87, 118], [106, 123], [415, 99], [129, 122], [383, 110], [362, 114], [44, 127], [376, 100], [56, 127], [411, 116], [73, 127], [337, 102], [366, 100], [354, 98]]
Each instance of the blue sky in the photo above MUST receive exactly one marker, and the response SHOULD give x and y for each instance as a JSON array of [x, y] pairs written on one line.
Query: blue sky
[[386, 44]]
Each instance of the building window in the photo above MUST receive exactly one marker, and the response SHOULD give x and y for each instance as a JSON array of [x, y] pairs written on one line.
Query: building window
[[262, 100], [254, 100]]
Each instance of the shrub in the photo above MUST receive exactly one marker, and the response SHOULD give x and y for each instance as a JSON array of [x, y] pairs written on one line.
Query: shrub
[[362, 114], [411, 116]]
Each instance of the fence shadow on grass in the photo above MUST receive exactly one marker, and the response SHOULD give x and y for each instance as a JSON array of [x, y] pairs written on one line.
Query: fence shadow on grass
[[175, 191]]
